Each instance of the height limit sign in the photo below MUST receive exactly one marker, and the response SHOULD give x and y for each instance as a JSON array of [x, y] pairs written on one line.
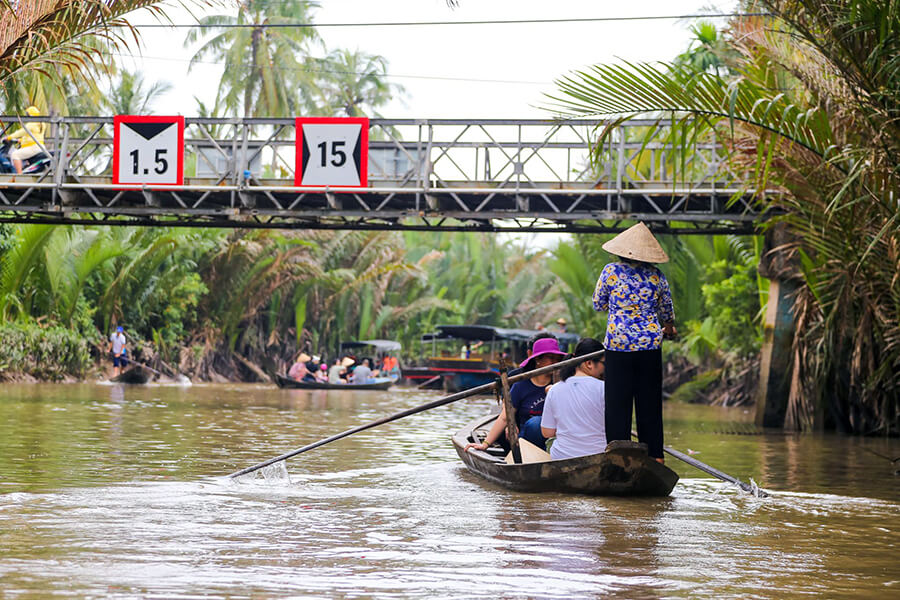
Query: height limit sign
[[332, 152], [148, 150]]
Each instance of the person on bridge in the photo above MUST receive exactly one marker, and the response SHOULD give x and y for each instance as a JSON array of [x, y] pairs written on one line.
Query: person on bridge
[[30, 138], [117, 346], [636, 295]]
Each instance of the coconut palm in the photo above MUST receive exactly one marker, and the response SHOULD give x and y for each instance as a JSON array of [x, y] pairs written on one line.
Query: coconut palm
[[264, 73], [814, 112], [62, 40], [127, 94], [352, 84]]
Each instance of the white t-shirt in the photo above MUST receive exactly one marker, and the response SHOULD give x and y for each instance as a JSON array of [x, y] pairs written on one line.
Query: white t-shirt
[[118, 342], [575, 408]]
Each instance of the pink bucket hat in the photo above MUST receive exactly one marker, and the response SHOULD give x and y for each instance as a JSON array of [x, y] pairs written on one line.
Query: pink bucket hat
[[543, 346]]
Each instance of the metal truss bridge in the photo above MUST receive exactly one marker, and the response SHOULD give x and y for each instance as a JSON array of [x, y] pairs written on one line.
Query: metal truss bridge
[[434, 174]]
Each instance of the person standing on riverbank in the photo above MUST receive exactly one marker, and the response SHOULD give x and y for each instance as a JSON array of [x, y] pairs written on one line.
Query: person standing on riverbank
[[636, 295], [117, 346]]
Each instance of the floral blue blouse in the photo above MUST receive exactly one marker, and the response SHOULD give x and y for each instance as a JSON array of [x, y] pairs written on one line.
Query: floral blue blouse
[[638, 300]]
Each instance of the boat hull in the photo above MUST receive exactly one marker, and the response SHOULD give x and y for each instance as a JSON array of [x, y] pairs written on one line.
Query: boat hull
[[624, 469], [135, 375], [287, 382]]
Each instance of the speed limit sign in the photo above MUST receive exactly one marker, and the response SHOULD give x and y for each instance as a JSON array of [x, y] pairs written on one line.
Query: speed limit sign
[[332, 152], [148, 150]]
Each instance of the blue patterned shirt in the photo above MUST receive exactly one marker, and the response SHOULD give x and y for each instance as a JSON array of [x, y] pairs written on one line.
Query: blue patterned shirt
[[638, 300]]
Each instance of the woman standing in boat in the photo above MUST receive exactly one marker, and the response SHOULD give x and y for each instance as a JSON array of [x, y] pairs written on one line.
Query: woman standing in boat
[[636, 295]]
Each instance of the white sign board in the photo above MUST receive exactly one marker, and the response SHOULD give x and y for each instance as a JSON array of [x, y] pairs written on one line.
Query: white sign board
[[332, 152], [148, 150]]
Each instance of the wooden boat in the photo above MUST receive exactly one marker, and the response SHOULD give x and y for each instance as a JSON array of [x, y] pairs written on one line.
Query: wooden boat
[[482, 365], [136, 374], [624, 469], [284, 381]]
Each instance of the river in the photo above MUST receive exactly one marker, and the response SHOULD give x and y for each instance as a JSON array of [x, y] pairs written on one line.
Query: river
[[115, 491]]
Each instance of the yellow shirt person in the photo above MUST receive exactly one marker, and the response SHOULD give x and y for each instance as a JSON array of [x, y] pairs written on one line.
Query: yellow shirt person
[[30, 138]]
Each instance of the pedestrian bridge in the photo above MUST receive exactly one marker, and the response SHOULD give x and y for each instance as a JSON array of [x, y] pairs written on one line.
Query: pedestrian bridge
[[429, 174]]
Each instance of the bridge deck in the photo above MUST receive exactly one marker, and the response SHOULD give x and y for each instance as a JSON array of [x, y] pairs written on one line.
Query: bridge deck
[[462, 175]]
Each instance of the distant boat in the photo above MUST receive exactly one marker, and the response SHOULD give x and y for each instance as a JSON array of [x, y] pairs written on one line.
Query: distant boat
[[136, 374], [284, 381], [624, 469], [482, 364], [375, 351]]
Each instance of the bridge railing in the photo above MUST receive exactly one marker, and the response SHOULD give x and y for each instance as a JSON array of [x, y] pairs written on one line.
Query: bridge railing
[[472, 169]]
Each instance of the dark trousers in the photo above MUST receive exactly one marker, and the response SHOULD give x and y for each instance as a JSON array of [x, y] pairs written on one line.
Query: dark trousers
[[635, 379]]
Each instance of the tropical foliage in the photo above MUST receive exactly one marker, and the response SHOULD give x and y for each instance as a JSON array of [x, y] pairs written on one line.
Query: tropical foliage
[[264, 72], [50, 46], [812, 110]]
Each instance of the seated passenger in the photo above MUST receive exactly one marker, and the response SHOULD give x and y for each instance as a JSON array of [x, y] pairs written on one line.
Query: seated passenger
[[299, 371], [574, 408], [527, 398], [362, 373], [338, 369], [322, 373]]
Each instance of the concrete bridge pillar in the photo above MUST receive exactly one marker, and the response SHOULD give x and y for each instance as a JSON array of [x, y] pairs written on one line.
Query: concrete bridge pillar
[[778, 334]]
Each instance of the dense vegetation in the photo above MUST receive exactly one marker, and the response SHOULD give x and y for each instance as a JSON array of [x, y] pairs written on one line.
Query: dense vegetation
[[806, 99], [808, 103]]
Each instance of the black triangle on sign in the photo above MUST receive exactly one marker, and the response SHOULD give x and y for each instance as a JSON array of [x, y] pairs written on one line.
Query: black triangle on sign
[[148, 130]]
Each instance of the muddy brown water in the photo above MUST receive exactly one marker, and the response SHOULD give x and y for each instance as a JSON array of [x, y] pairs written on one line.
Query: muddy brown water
[[114, 491]]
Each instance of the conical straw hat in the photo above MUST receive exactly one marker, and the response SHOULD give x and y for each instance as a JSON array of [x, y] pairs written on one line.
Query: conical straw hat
[[637, 243]]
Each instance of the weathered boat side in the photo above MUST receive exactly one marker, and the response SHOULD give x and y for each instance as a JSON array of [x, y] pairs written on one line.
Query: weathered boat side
[[287, 382], [624, 469], [136, 375]]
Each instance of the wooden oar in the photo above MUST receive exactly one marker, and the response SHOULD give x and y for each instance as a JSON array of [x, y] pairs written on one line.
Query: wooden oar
[[481, 389], [428, 382], [712, 471]]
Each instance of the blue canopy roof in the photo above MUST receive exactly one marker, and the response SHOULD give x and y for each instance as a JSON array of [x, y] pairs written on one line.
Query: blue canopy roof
[[381, 345], [486, 333]]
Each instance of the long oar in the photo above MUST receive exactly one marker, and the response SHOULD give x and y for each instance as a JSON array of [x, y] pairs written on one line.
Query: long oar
[[756, 491], [488, 387]]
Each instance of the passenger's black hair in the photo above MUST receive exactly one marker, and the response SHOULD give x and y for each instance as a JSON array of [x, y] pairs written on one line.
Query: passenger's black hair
[[585, 346], [540, 335]]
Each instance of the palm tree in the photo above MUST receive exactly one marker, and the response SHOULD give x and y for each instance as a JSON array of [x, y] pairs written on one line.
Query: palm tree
[[264, 74], [127, 95], [61, 40], [353, 84], [814, 112]]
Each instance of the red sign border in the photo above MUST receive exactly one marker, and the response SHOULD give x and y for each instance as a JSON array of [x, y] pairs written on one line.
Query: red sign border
[[120, 119], [363, 147]]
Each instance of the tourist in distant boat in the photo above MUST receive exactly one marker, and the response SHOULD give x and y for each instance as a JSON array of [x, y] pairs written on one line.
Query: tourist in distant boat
[[561, 325], [574, 409], [390, 367], [322, 373], [338, 369], [117, 346], [362, 373], [636, 295], [300, 370], [527, 398]]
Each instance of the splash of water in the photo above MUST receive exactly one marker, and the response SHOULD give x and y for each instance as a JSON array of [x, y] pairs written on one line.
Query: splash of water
[[275, 474]]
